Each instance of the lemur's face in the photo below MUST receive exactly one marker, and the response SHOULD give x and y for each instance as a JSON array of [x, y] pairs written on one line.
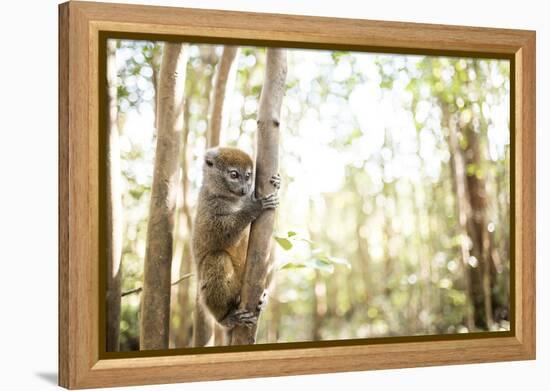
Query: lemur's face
[[230, 169], [239, 180]]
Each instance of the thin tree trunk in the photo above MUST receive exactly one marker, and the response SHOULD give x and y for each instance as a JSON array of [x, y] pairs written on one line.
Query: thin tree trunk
[[464, 212], [155, 66], [219, 335], [202, 325], [275, 319], [182, 306], [364, 263], [267, 165], [272, 333], [480, 235], [424, 280], [215, 116], [391, 267], [114, 207], [155, 306], [183, 333], [319, 306], [435, 216]]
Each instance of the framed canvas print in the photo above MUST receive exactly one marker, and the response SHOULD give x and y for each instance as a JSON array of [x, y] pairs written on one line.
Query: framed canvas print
[[247, 195]]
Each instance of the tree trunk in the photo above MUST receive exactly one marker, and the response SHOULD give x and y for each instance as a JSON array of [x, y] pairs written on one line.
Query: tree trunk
[[183, 333], [364, 262], [182, 307], [424, 281], [464, 212], [155, 306], [215, 116], [219, 335], [267, 165], [479, 234], [202, 325], [275, 319], [319, 306], [114, 207]]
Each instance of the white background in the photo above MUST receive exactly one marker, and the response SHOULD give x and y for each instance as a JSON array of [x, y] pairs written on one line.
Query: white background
[[28, 193]]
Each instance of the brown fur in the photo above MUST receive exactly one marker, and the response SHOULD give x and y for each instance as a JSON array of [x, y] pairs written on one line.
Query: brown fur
[[228, 156], [220, 236]]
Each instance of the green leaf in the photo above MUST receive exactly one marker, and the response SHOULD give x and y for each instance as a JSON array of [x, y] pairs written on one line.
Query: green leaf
[[323, 265], [322, 261], [290, 236], [292, 265], [337, 55], [284, 243], [334, 260], [386, 83]]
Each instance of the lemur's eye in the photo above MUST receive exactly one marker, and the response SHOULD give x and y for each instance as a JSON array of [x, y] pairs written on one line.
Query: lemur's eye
[[247, 176], [233, 174]]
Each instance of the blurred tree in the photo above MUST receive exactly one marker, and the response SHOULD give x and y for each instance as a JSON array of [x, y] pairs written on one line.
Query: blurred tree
[[221, 79], [155, 306], [137, 63], [182, 331], [481, 249], [114, 206], [183, 307], [464, 211]]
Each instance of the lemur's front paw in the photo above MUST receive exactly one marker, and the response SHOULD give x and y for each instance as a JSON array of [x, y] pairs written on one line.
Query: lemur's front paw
[[239, 317], [276, 181], [263, 301], [270, 201]]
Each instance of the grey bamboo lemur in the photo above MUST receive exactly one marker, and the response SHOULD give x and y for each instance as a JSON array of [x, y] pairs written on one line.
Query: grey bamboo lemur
[[226, 207]]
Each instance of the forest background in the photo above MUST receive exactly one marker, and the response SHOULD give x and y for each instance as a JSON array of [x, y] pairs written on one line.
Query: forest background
[[395, 202]]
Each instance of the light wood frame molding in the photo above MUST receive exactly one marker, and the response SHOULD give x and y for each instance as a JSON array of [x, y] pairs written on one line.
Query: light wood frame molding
[[80, 24]]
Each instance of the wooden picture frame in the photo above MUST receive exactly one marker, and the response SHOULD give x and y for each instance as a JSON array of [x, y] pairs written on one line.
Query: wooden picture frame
[[81, 25]]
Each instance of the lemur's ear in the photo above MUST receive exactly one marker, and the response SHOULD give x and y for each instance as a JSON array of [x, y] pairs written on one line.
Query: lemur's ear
[[210, 155]]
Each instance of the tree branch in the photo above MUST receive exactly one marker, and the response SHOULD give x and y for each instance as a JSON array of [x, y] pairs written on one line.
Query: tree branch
[[138, 290]]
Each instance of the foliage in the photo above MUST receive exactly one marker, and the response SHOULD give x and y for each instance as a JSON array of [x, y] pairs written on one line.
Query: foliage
[[317, 259]]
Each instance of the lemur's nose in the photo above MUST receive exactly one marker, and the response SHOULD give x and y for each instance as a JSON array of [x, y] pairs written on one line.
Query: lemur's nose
[[243, 191]]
